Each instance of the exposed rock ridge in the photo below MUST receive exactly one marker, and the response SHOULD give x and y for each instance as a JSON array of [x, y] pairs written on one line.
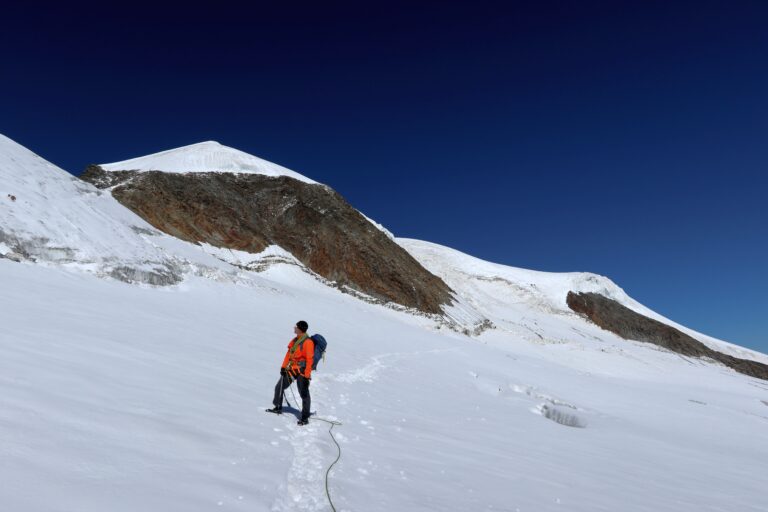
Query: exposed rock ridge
[[613, 316], [250, 212]]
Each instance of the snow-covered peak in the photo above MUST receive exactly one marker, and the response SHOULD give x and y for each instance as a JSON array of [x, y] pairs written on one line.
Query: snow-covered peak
[[209, 156]]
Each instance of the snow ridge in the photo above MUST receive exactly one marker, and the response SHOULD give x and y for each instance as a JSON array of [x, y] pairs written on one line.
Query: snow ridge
[[510, 296]]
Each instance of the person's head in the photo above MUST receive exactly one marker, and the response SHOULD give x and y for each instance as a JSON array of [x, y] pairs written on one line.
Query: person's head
[[300, 328]]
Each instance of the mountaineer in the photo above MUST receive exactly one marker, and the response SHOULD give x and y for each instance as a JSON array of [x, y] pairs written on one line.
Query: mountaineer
[[297, 365]]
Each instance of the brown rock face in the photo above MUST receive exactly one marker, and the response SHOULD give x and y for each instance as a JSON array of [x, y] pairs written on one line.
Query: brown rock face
[[612, 316], [250, 212]]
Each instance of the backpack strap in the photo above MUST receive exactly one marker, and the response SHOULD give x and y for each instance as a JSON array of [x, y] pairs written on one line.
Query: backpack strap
[[297, 345]]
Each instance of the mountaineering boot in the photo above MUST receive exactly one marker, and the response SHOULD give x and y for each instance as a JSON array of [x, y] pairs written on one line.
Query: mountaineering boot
[[302, 421], [275, 410]]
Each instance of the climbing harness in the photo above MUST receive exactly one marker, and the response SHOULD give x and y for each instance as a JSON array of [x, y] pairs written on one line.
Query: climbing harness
[[296, 345]]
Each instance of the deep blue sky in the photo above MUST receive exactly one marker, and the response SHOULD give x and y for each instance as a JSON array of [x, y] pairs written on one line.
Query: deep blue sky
[[628, 139]]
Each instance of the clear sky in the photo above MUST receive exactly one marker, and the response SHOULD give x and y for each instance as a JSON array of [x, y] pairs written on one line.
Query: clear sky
[[628, 139]]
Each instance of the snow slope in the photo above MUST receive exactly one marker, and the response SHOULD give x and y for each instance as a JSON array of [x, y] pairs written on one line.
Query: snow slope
[[207, 156], [57, 219], [509, 296], [123, 398]]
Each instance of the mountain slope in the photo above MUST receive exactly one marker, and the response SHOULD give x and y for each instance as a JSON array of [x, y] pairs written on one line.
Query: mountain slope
[[57, 218], [510, 296], [249, 211], [121, 397], [49, 217], [616, 318]]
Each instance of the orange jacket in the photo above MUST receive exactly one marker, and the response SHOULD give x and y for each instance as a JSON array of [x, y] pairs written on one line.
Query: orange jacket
[[304, 353]]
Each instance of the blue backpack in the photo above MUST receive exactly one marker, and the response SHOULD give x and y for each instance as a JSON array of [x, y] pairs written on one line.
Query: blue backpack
[[320, 346]]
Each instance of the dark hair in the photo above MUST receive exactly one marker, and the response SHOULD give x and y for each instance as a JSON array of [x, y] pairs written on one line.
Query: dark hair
[[302, 325]]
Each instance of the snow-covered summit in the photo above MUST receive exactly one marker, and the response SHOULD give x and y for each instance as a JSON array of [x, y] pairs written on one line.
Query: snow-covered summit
[[209, 156]]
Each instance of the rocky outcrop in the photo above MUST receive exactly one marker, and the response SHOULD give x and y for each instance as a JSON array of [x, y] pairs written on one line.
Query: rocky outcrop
[[97, 176], [250, 212], [613, 316]]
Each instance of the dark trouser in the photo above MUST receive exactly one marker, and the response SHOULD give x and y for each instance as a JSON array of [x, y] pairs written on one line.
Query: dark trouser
[[303, 384]]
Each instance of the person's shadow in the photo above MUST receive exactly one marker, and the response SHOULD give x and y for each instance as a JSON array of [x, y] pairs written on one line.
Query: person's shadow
[[292, 410], [288, 408]]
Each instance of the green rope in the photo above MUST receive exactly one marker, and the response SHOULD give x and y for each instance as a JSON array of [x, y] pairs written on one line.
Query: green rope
[[338, 447], [327, 472]]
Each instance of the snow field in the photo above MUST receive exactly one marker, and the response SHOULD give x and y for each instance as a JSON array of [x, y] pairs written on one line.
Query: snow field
[[130, 397]]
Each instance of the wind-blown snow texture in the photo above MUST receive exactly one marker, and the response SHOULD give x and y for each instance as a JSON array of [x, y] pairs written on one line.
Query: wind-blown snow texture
[[129, 397]]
